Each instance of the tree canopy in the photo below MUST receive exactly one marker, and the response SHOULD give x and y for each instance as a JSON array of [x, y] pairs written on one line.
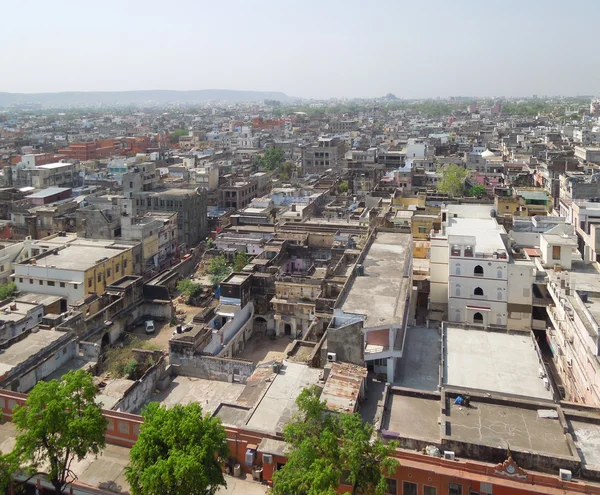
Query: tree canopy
[[176, 134], [7, 290], [59, 423], [179, 451], [327, 447], [453, 180], [218, 269], [273, 158], [477, 191], [188, 288], [241, 260]]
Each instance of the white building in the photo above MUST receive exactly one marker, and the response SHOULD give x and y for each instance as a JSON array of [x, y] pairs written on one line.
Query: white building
[[474, 279]]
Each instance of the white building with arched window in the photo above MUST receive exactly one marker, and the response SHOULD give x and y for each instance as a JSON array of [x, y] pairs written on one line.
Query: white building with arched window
[[472, 271]]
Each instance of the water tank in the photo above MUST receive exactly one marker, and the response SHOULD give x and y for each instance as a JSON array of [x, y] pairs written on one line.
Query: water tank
[[584, 296], [237, 470], [493, 213]]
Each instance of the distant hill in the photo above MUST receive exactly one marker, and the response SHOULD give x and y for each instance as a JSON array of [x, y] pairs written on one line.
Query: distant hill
[[146, 97]]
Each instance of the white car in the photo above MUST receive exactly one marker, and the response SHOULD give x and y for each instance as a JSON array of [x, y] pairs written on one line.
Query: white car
[[149, 326]]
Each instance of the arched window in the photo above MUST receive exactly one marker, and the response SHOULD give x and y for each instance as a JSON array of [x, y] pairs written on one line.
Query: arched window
[[457, 291], [499, 294], [458, 268], [498, 320], [478, 291], [499, 274], [457, 315], [477, 318], [478, 271]]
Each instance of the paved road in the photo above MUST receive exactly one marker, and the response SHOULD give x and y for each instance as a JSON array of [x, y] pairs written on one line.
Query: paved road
[[237, 486]]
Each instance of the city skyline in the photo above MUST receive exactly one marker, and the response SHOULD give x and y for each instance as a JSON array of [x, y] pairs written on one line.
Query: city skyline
[[406, 49]]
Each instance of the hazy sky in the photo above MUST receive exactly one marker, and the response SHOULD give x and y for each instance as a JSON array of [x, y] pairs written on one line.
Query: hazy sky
[[321, 48]]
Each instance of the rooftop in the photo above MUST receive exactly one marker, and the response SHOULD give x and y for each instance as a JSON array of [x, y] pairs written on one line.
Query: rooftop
[[381, 292], [485, 230], [21, 351], [50, 191], [485, 360]]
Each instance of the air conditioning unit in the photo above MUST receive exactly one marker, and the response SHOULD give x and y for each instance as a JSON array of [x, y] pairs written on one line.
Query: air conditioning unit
[[449, 454], [565, 474], [331, 357], [250, 456], [267, 458]]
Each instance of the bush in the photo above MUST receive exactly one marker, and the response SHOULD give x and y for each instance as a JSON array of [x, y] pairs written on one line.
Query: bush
[[7, 290], [130, 369]]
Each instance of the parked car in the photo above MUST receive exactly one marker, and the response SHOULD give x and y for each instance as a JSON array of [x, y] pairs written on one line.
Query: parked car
[[149, 325]]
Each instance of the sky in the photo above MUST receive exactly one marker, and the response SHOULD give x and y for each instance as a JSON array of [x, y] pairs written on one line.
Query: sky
[[307, 48]]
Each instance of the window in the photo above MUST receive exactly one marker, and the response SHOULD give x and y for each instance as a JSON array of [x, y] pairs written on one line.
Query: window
[[99, 277], [555, 252], [90, 282], [20, 280], [454, 489], [478, 318], [108, 272], [457, 291], [30, 280], [124, 264], [1, 268], [409, 488], [478, 271], [62, 284], [51, 283], [486, 488], [429, 490], [41, 282], [392, 486], [117, 267], [478, 291], [75, 286]]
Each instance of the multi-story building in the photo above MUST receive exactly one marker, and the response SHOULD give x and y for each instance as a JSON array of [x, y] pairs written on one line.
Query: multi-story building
[[340, 126], [238, 194], [327, 153], [474, 279], [77, 269], [587, 154]]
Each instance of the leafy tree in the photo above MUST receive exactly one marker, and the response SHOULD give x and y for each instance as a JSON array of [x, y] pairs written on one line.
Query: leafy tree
[[326, 447], [210, 243], [477, 191], [179, 452], [7, 290], [453, 180], [343, 186], [130, 369], [176, 134], [218, 269], [188, 288], [60, 422], [273, 158], [241, 260]]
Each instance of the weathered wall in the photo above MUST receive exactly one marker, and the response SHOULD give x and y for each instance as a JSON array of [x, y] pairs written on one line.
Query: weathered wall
[[139, 393], [347, 342], [212, 368]]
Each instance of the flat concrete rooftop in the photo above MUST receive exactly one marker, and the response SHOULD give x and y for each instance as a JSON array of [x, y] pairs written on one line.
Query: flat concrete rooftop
[[381, 292], [208, 393], [413, 417], [22, 350], [500, 425], [419, 366], [75, 257], [587, 441], [278, 405], [492, 361]]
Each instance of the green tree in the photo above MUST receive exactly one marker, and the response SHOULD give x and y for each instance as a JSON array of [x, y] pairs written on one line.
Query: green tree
[[241, 260], [477, 191], [188, 288], [7, 290], [343, 186], [179, 452], [326, 447], [453, 179], [218, 269], [176, 134], [60, 422], [273, 158]]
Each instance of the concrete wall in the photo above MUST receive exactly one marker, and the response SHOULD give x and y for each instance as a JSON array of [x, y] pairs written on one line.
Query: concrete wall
[[139, 393], [347, 342], [211, 368]]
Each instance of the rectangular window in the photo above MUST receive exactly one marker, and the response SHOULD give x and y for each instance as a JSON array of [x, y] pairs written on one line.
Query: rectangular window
[[51, 283], [62, 284], [454, 489], [555, 252], [30, 280], [117, 268], [99, 277], [90, 282], [409, 488], [108, 272], [124, 264], [486, 488], [20, 280], [392, 486], [41, 282], [429, 490], [75, 286]]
